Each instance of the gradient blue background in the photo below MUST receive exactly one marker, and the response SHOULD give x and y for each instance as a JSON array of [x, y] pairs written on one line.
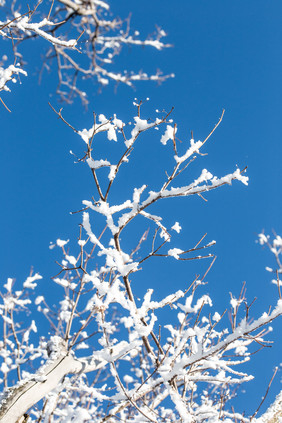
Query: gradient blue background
[[226, 54]]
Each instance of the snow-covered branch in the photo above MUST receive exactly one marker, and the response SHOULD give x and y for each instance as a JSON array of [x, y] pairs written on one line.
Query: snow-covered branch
[[191, 363], [22, 24], [11, 73], [83, 42], [8, 74], [17, 400]]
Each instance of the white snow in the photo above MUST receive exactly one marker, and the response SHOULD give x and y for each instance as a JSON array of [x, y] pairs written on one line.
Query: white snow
[[176, 227], [194, 148], [9, 284], [71, 259], [61, 242], [97, 164], [6, 75], [29, 282], [168, 135], [175, 252]]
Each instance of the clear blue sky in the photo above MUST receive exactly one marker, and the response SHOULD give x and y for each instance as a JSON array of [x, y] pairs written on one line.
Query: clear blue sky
[[226, 54]]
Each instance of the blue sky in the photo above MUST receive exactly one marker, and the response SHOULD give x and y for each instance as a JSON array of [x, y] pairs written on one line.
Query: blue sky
[[226, 54]]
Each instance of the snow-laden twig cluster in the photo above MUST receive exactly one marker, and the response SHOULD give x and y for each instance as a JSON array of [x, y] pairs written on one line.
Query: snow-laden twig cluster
[[16, 348], [82, 38], [9, 74], [113, 356], [275, 247]]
